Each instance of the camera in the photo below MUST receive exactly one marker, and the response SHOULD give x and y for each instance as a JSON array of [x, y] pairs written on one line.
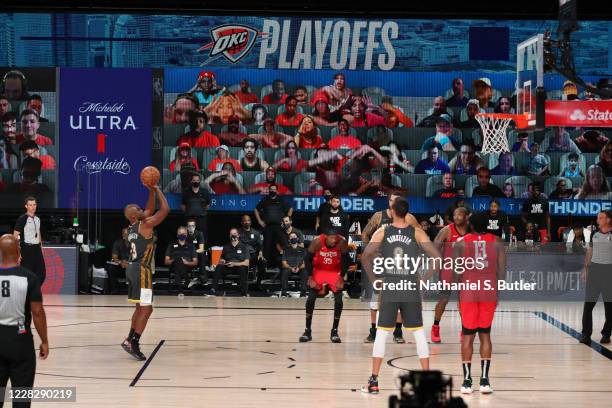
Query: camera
[[428, 389]]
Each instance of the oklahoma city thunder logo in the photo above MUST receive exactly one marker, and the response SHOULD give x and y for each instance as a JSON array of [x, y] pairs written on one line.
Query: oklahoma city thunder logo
[[232, 41]]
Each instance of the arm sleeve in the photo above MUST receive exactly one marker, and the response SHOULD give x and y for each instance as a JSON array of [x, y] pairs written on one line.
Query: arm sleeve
[[346, 262], [308, 257], [34, 293], [20, 225], [169, 250], [192, 251]]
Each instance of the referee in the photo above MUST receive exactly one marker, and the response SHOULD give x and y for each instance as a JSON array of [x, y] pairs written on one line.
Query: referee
[[598, 276], [27, 230], [20, 300]]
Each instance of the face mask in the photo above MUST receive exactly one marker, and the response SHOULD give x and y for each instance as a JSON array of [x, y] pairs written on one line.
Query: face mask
[[195, 183], [181, 237], [234, 237], [293, 241], [191, 229], [286, 226], [273, 194], [327, 197]]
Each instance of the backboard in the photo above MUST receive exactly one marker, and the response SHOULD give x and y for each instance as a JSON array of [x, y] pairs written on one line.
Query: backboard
[[530, 77]]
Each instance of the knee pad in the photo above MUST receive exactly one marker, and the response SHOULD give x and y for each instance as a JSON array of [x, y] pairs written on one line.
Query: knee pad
[[373, 305], [421, 343], [380, 343]]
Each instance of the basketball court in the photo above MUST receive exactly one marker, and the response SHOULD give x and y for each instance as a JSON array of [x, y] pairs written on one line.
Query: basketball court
[[244, 352]]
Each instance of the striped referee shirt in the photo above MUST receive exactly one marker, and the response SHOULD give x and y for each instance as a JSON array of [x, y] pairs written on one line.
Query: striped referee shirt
[[602, 247], [18, 287], [29, 229]]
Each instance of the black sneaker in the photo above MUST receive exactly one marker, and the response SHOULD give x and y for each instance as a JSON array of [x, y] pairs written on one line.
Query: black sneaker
[[126, 345], [605, 339], [334, 336], [485, 386], [371, 387], [466, 387], [372, 336], [398, 337], [136, 353], [585, 339], [307, 336]]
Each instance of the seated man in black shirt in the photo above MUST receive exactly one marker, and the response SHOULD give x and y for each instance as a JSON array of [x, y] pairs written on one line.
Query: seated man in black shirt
[[536, 210], [528, 237], [254, 241], [234, 259], [293, 264], [497, 221], [180, 256], [196, 237], [484, 187], [288, 228], [119, 261], [448, 189]]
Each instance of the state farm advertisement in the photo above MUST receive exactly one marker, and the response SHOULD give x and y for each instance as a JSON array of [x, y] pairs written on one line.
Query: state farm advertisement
[[579, 113]]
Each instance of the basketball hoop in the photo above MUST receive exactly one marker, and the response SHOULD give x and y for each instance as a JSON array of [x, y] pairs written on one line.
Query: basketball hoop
[[494, 127]]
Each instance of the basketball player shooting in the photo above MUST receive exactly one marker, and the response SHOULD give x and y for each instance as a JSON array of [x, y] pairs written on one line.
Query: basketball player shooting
[[327, 261], [477, 307], [390, 242], [142, 250]]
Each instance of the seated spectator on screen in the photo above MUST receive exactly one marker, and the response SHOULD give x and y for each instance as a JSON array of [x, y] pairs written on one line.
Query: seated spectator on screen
[[363, 113], [31, 149], [472, 108], [439, 108], [29, 186], [182, 180], [559, 141], [508, 190], [458, 100], [183, 155], [561, 192], [35, 102], [380, 184], [244, 95], [235, 260], [381, 138], [29, 129], [343, 140], [224, 181], [337, 94], [278, 95], [539, 164], [223, 157], [301, 95], [250, 161], [293, 265], [505, 167], [570, 91], [206, 90], [588, 95], [397, 163], [198, 136], [394, 114], [444, 133], [534, 190], [466, 161], [232, 136], [181, 257], [259, 113], [327, 165], [605, 159], [485, 187], [591, 141], [572, 169], [522, 143], [432, 164], [227, 107], [120, 256], [290, 161], [5, 157], [307, 136], [290, 117], [14, 86], [178, 112], [595, 186], [271, 137], [270, 180], [503, 105], [528, 237], [5, 105], [8, 139], [483, 92], [313, 188], [578, 239], [322, 114], [448, 189]]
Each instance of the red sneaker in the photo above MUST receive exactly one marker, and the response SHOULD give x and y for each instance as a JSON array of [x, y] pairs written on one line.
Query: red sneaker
[[435, 333]]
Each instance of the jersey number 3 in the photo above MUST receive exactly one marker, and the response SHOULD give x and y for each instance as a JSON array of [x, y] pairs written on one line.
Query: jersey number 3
[[481, 252], [6, 288], [133, 251]]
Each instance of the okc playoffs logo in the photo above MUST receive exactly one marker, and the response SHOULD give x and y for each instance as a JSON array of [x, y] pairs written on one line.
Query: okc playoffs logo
[[578, 115], [232, 41]]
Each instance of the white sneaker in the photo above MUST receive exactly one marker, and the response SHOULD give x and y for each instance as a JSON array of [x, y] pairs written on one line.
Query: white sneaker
[[466, 387], [193, 282], [485, 387]]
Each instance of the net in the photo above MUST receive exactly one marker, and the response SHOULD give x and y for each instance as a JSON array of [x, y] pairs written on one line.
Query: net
[[494, 132]]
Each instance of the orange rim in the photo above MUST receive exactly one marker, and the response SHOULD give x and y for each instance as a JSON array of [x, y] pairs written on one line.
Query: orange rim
[[521, 120]]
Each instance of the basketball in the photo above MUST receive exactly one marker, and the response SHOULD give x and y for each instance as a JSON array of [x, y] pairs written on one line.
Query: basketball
[[150, 176]]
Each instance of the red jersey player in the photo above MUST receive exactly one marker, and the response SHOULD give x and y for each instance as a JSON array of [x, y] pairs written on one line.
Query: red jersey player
[[446, 239], [477, 306], [326, 261]]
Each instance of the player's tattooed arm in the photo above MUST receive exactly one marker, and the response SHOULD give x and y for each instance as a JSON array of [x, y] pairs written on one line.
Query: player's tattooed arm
[[345, 257], [442, 237], [367, 232], [371, 252]]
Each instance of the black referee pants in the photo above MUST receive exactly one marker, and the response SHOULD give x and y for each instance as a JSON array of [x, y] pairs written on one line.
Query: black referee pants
[[599, 281], [273, 234], [32, 259], [17, 361]]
